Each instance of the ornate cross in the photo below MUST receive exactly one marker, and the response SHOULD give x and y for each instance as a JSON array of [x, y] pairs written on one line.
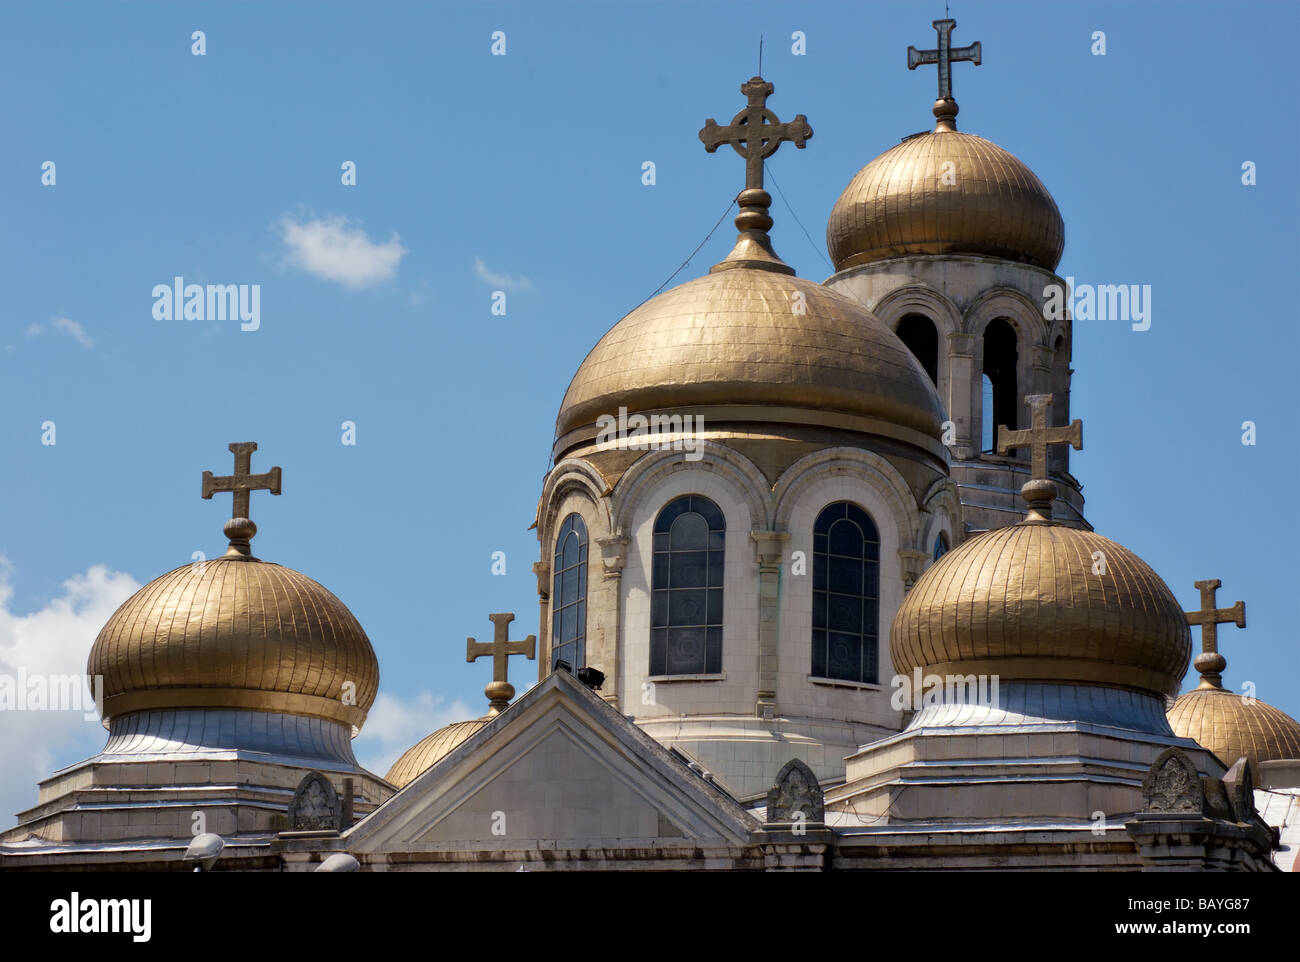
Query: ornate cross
[[758, 129], [1209, 662], [500, 691], [945, 56], [1038, 437], [243, 481]]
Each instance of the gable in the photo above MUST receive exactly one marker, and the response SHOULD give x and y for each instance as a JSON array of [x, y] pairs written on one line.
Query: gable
[[559, 769]]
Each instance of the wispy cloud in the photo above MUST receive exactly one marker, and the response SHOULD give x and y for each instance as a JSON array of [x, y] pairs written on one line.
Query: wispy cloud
[[63, 325], [54, 640], [395, 724], [505, 282], [332, 249], [74, 330]]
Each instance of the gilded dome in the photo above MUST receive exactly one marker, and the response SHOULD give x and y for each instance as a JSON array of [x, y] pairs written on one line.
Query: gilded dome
[[1232, 727], [1023, 602], [236, 632], [910, 201], [431, 749], [735, 337]]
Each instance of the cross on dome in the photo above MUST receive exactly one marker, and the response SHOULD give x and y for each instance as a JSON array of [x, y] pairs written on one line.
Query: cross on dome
[[500, 648], [1039, 492], [758, 129], [945, 108], [239, 529], [1209, 662], [756, 134]]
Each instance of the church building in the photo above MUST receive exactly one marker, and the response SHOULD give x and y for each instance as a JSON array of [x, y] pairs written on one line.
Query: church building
[[816, 592]]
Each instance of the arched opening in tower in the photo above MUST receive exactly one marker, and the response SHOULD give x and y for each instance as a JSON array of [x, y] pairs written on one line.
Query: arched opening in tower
[[1002, 400], [1058, 456], [919, 334]]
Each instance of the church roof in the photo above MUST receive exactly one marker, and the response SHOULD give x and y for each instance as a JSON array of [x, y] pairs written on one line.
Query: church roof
[[750, 333], [431, 749], [1230, 725], [1233, 726], [1038, 601], [236, 632], [732, 338], [991, 203], [945, 192]]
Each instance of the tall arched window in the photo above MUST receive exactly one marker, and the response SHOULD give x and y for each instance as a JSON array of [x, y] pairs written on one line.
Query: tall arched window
[[686, 595], [940, 545], [1000, 356], [569, 595], [1058, 456], [918, 332], [846, 594]]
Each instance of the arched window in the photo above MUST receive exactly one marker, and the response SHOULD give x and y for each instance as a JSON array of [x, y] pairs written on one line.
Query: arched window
[[918, 332], [569, 595], [686, 595], [846, 593], [986, 424], [1058, 456], [940, 545], [1000, 356]]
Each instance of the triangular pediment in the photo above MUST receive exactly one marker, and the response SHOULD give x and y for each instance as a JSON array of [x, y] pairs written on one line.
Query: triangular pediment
[[559, 769]]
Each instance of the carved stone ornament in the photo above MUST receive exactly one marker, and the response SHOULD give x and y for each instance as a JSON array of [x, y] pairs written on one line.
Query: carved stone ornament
[[315, 806], [795, 793], [1241, 792], [1173, 785]]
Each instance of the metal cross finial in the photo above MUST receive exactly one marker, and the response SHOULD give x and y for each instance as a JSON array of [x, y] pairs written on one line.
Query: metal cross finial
[[1038, 437], [239, 528], [758, 129], [1209, 662], [500, 691], [944, 56]]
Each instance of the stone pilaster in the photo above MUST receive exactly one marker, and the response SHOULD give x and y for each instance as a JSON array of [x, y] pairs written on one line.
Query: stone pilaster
[[964, 387], [543, 572], [912, 564], [769, 552], [613, 556]]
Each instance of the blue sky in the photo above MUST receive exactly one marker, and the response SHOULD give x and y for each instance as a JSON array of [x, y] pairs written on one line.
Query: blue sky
[[475, 169]]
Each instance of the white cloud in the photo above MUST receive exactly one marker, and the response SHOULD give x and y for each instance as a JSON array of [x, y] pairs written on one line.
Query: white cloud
[[505, 282], [331, 249], [63, 325], [74, 330], [395, 724], [53, 640]]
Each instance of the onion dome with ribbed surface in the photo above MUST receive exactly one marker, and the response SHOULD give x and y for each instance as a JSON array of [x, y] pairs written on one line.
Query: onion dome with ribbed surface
[[945, 192], [431, 749], [753, 341], [236, 632], [1234, 727], [1038, 601]]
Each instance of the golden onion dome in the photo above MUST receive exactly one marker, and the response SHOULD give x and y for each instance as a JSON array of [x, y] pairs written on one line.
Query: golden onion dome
[[1036, 602], [236, 633], [1234, 727], [431, 749], [735, 337], [945, 192]]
